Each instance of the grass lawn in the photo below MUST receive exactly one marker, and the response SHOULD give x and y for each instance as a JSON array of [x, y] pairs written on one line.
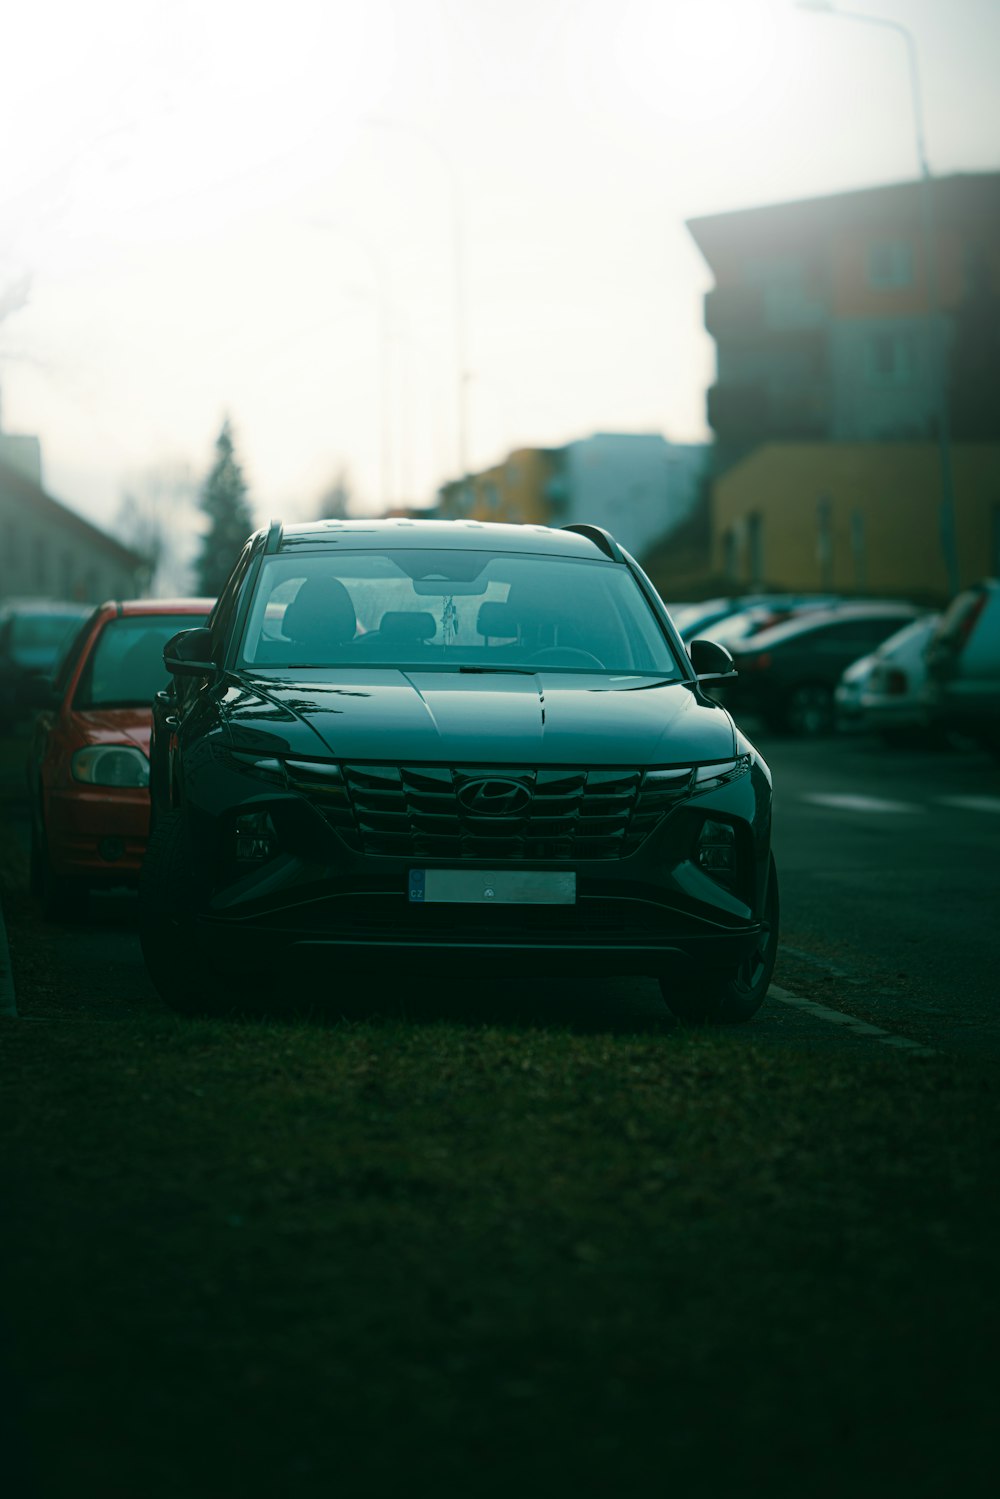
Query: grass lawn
[[409, 1255]]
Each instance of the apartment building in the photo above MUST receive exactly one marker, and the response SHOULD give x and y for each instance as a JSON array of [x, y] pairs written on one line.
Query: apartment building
[[853, 332], [637, 485]]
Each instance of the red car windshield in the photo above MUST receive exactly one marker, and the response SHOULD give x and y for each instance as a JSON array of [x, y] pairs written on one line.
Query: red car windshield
[[125, 666]]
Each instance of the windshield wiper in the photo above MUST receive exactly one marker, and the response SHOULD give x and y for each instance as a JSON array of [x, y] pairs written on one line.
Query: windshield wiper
[[502, 671]]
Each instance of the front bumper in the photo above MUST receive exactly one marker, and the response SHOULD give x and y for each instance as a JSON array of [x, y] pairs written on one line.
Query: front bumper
[[318, 903], [97, 835]]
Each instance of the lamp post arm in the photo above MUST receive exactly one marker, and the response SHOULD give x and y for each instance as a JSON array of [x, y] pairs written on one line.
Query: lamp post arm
[[911, 53], [823, 8]]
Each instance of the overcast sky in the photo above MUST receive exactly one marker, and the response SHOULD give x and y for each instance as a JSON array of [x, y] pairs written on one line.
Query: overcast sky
[[210, 207]]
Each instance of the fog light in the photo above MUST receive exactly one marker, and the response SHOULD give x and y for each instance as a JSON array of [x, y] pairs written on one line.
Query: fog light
[[256, 840], [716, 852]]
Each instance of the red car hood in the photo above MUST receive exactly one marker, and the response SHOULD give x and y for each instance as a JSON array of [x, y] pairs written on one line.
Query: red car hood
[[113, 725]]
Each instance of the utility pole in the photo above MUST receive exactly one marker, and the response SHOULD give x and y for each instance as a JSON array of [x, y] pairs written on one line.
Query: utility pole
[[936, 349]]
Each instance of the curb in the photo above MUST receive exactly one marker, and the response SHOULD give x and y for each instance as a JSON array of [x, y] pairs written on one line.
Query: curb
[[8, 1003]]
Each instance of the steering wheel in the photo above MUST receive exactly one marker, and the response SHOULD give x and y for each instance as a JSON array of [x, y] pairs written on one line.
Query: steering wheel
[[565, 655]]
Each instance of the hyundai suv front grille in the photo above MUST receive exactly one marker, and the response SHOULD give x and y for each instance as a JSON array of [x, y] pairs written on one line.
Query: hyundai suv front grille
[[490, 813]]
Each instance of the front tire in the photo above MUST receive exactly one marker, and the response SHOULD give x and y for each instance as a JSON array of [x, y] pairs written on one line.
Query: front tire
[[735, 998]]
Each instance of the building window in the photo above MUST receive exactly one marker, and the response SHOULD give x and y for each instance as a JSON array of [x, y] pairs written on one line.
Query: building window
[[890, 359], [890, 263], [39, 563]]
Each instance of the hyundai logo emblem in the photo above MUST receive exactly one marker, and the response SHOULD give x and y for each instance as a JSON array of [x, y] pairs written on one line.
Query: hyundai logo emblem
[[492, 797]]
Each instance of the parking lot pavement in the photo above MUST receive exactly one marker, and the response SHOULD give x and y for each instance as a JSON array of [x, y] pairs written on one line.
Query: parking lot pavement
[[889, 876]]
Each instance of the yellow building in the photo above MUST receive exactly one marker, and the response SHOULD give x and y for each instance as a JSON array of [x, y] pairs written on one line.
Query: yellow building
[[518, 490], [854, 518]]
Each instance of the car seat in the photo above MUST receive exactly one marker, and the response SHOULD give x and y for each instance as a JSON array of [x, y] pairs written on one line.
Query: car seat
[[320, 615], [407, 624]]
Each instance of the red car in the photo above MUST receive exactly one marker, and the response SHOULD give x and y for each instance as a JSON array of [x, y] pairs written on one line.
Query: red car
[[88, 766]]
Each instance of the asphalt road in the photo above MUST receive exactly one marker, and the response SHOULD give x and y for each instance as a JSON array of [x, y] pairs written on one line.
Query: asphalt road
[[890, 886], [888, 866]]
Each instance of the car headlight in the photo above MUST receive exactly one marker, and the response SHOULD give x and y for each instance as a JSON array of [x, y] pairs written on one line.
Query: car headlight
[[110, 765], [711, 777], [262, 767]]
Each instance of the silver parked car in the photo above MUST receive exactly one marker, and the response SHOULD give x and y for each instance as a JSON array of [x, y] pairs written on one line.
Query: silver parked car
[[885, 692]]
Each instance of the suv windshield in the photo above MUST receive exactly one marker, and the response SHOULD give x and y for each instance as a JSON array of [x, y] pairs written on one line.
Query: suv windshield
[[475, 609]]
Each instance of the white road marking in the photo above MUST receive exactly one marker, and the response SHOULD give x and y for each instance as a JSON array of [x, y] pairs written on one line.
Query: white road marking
[[847, 803], [859, 1027], [971, 803]]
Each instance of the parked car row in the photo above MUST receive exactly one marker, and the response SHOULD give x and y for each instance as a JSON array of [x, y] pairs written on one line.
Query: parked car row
[[392, 743], [788, 672], [34, 634], [807, 665], [367, 726]]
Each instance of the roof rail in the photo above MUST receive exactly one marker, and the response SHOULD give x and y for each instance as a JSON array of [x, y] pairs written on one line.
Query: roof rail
[[273, 541], [599, 537]]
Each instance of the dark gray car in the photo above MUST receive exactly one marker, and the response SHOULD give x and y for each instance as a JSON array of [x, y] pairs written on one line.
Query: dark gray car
[[452, 747]]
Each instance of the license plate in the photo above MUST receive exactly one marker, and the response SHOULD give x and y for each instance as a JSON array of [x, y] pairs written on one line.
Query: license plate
[[488, 887]]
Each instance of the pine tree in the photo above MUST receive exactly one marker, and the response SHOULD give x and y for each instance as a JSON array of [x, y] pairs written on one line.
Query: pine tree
[[224, 500]]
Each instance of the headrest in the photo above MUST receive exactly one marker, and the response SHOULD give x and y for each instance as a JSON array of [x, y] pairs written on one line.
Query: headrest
[[321, 613], [497, 621], [405, 624]]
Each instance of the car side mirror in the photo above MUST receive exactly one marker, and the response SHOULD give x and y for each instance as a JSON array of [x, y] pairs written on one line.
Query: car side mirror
[[710, 660], [189, 653]]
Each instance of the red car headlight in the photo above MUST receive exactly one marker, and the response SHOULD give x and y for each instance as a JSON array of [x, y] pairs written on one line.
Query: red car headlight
[[110, 765]]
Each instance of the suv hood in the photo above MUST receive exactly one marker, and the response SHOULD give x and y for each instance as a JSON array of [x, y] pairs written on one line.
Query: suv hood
[[547, 718]]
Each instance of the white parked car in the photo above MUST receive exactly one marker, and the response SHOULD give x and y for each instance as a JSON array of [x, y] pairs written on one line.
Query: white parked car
[[885, 692]]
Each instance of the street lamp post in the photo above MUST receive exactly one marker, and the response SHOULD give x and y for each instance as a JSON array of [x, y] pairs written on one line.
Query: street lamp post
[[936, 346]]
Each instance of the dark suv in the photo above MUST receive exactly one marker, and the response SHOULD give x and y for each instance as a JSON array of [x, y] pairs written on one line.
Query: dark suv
[[441, 743]]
